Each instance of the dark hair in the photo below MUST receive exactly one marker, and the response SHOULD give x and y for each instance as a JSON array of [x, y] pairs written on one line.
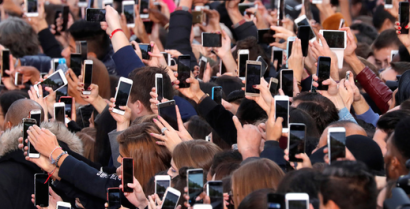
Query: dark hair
[[363, 50], [297, 115], [400, 67], [227, 156], [368, 127], [216, 139], [250, 112], [367, 33], [356, 187], [198, 127], [401, 137], [403, 106], [386, 39], [380, 15], [256, 199], [255, 50], [229, 83], [389, 120], [7, 98], [226, 169]]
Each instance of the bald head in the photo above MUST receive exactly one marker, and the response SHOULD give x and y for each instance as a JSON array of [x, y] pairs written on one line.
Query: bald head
[[20, 109], [351, 129]]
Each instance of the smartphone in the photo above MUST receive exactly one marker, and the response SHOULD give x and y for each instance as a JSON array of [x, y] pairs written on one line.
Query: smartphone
[[114, 198], [56, 81], [252, 77], [297, 201], [347, 75], [144, 4], [202, 206], [54, 64], [323, 72], [217, 94], [61, 92], [145, 48], [76, 61], [171, 198], [296, 141], [184, 70], [342, 23], [82, 3], [95, 15], [243, 56], [244, 6], [158, 5], [336, 142], [303, 21], [263, 63], [5, 62], [170, 61], [31, 9], [202, 65], [66, 10], [392, 54], [280, 12], [277, 54], [282, 110], [195, 178], [289, 48], [167, 111], [266, 36], [276, 201], [36, 115], [215, 193], [108, 3], [68, 105], [273, 86], [159, 86], [303, 35], [87, 76], [404, 16], [129, 12], [27, 122], [335, 39], [316, 1], [121, 96], [197, 17], [59, 112], [18, 79], [388, 4], [162, 182], [82, 49], [63, 205], [127, 173], [211, 39], [41, 189], [286, 82], [148, 26]]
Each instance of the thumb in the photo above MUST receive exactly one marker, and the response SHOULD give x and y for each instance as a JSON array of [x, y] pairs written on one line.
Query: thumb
[[52, 193], [238, 124]]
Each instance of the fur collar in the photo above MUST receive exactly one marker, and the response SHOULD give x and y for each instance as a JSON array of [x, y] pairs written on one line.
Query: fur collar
[[9, 139]]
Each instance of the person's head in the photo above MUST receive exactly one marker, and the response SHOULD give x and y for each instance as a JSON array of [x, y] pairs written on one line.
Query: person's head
[[347, 184], [358, 7], [19, 37], [398, 150], [297, 115], [198, 127], [227, 156], [363, 50], [6, 99], [382, 19], [256, 199], [87, 137], [395, 69], [20, 109], [193, 153], [251, 176], [229, 83], [387, 123], [235, 99], [143, 81], [255, 50], [382, 46], [137, 143], [351, 129], [249, 112]]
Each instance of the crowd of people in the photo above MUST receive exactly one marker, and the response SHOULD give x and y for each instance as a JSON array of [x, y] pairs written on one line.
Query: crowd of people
[[240, 141]]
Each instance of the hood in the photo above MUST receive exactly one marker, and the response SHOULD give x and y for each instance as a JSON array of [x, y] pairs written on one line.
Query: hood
[[9, 139]]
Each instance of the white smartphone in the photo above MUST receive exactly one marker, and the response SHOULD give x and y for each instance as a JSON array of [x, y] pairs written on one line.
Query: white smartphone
[[316, 1], [297, 200], [159, 86], [87, 75], [202, 206], [171, 198], [31, 8], [336, 142], [18, 79], [56, 81], [59, 112], [388, 4], [342, 23], [27, 123], [107, 2], [170, 61], [122, 94], [243, 56], [162, 182], [392, 54], [36, 114], [282, 110], [252, 77], [289, 48], [144, 4], [63, 205], [82, 3], [129, 12], [336, 39], [303, 21], [54, 64]]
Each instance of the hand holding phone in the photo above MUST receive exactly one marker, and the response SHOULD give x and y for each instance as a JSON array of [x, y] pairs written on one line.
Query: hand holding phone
[[184, 70]]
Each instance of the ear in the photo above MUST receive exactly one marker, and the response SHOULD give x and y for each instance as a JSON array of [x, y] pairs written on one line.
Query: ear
[[91, 54], [332, 205], [387, 24], [395, 167], [8, 125]]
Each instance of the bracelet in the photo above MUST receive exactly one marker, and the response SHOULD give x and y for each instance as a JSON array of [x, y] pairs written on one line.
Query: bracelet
[[50, 174], [239, 23], [116, 30], [58, 158], [202, 98], [51, 154]]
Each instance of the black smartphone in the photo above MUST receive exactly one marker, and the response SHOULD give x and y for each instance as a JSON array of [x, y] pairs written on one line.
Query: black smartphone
[[56, 16], [335, 39], [323, 72], [41, 189], [305, 22], [277, 54], [159, 86], [282, 110], [276, 201], [195, 184], [167, 111], [253, 77], [68, 101], [145, 48], [289, 50], [211, 40], [296, 142], [184, 70], [303, 35], [286, 81], [76, 61], [66, 11], [215, 193], [273, 86], [217, 94], [266, 36], [114, 198], [336, 143], [95, 15], [127, 174], [243, 57], [148, 26], [5, 64], [27, 122], [404, 17]]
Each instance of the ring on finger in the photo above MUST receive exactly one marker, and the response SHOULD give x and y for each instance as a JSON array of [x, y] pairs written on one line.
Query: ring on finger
[[163, 130]]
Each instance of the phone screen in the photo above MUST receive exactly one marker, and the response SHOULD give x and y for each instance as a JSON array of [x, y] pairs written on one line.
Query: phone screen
[[75, 63], [389, 1], [128, 170], [88, 75], [167, 111], [253, 77], [55, 63], [303, 35], [144, 5], [55, 81], [32, 6], [296, 141], [5, 62], [282, 110], [297, 204], [114, 198], [197, 17], [162, 186], [404, 17], [289, 49], [242, 64], [66, 10], [27, 125], [184, 70], [145, 48], [68, 103], [195, 185], [305, 22], [36, 117], [287, 82], [202, 67], [216, 194], [323, 72], [41, 189], [217, 94], [170, 201], [278, 55], [244, 7], [334, 39], [337, 145], [60, 114], [148, 26], [266, 36], [276, 201], [165, 56], [123, 92], [83, 50], [129, 13], [264, 65], [273, 88], [61, 92], [211, 40], [160, 90], [96, 15]]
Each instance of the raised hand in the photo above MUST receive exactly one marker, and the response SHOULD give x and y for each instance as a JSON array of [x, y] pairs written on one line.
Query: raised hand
[[249, 139]]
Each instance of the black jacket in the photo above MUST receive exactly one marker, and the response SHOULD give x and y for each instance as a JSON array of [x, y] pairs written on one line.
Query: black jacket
[[41, 62], [51, 47], [273, 152]]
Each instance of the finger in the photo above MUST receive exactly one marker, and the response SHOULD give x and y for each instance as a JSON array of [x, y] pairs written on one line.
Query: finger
[[179, 119], [166, 124], [238, 124]]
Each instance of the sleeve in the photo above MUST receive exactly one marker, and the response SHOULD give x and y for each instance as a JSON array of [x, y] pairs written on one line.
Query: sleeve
[[126, 61], [49, 44], [245, 30], [344, 114], [306, 83], [5, 199], [115, 147], [86, 200], [369, 117], [273, 152], [73, 127]]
